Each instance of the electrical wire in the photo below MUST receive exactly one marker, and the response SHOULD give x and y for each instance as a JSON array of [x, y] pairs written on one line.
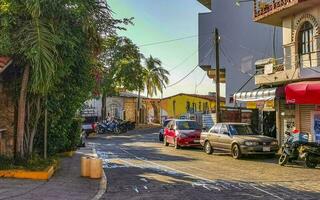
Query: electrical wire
[[204, 76], [187, 58], [173, 40], [167, 41], [187, 75]]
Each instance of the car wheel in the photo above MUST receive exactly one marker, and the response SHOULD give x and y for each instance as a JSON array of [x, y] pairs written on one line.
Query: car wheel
[[176, 145], [165, 143], [283, 160], [208, 148], [160, 137], [235, 151]]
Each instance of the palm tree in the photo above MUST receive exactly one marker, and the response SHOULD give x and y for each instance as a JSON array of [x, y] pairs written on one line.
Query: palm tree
[[155, 76]]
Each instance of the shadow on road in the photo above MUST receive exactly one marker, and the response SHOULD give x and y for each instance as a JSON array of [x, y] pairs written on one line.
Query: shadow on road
[[154, 183]]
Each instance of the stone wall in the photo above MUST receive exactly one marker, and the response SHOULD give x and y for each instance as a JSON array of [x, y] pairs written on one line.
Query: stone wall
[[6, 121]]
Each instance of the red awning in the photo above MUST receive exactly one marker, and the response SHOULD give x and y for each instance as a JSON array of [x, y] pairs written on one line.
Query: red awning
[[307, 92]]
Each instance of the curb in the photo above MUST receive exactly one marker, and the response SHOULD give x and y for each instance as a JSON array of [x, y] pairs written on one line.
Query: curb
[[103, 183]]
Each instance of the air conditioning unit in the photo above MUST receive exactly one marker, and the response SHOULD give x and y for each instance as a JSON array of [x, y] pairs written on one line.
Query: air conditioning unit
[[268, 69]]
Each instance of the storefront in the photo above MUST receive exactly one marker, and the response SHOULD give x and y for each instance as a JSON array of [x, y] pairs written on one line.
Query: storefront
[[305, 96], [266, 101]]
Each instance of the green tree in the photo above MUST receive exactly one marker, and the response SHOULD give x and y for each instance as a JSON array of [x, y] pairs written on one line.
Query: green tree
[[155, 76], [56, 44], [121, 66]]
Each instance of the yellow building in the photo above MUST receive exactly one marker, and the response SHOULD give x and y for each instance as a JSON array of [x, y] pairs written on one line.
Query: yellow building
[[182, 104]]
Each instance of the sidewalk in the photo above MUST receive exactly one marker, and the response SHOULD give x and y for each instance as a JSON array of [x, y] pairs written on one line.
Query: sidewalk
[[66, 184]]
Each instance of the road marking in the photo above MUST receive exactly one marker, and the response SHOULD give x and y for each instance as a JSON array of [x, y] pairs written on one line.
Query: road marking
[[195, 176], [264, 191], [144, 180], [136, 189]]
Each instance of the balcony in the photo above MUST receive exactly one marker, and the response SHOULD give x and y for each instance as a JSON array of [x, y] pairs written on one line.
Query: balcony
[[291, 68], [273, 11]]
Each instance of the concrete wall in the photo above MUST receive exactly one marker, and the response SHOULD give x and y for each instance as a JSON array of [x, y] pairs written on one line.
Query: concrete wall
[[291, 27], [242, 41], [115, 106], [181, 105]]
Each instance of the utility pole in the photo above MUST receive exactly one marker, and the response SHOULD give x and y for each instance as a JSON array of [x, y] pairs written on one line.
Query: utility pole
[[216, 44]]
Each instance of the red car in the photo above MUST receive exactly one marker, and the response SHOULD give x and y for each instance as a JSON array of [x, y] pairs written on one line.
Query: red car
[[182, 133]]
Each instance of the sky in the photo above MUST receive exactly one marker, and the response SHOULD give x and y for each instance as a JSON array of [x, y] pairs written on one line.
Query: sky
[[163, 20]]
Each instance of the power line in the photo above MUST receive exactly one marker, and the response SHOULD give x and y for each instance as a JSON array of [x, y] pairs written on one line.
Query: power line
[[186, 76], [187, 58], [168, 41], [204, 76], [173, 40]]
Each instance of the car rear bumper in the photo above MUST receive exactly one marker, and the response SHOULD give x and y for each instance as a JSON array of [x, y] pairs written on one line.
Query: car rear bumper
[[192, 142], [258, 150]]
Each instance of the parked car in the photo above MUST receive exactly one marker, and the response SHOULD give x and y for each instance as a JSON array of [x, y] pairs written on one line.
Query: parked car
[[165, 123], [238, 139], [89, 124], [182, 133]]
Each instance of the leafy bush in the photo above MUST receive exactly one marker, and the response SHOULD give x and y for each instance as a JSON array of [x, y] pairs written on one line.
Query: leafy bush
[[36, 163]]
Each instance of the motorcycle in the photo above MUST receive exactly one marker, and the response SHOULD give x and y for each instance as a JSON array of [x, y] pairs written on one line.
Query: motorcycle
[[297, 148], [311, 154], [108, 127]]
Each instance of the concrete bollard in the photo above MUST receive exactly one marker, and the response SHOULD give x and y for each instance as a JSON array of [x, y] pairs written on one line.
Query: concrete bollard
[[85, 166], [95, 168]]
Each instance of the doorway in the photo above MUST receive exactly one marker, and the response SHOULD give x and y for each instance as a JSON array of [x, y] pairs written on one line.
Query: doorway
[[269, 124]]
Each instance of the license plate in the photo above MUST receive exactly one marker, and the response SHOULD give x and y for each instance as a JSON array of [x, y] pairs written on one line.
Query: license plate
[[196, 141], [266, 149]]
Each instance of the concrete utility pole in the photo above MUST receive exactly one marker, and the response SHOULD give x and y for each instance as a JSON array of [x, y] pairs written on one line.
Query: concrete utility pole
[[216, 44]]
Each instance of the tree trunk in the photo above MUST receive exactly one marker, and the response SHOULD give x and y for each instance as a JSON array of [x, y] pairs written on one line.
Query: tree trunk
[[35, 126], [103, 107], [22, 112]]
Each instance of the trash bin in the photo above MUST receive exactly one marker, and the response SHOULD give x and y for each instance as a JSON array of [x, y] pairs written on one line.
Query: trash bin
[[85, 166], [95, 168]]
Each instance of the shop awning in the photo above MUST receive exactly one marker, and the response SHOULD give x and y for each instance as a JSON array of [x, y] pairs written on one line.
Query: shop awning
[[307, 92], [257, 95]]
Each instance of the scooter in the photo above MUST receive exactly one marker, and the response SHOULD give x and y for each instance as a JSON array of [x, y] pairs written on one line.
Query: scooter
[[297, 148]]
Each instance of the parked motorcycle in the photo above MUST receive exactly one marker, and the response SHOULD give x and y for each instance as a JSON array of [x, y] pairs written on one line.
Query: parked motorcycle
[[108, 127], [297, 148]]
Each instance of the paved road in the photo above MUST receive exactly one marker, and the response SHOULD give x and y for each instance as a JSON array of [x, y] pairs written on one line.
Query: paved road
[[138, 166]]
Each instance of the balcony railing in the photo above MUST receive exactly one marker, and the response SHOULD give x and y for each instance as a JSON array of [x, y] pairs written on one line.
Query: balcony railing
[[263, 7], [290, 67]]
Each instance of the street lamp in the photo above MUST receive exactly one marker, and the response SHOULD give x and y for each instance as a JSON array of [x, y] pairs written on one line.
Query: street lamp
[[242, 1]]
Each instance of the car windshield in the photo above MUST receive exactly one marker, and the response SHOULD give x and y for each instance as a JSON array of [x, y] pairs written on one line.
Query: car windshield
[[188, 125], [165, 123], [241, 129]]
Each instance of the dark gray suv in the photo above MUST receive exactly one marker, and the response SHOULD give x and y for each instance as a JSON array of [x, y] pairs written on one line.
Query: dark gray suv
[[238, 139]]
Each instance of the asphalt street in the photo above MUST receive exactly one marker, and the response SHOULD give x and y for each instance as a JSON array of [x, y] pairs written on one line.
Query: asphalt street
[[138, 166]]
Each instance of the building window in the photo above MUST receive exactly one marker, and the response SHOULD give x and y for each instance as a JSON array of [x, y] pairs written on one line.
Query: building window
[[188, 106], [200, 106], [194, 107], [306, 38], [205, 107]]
